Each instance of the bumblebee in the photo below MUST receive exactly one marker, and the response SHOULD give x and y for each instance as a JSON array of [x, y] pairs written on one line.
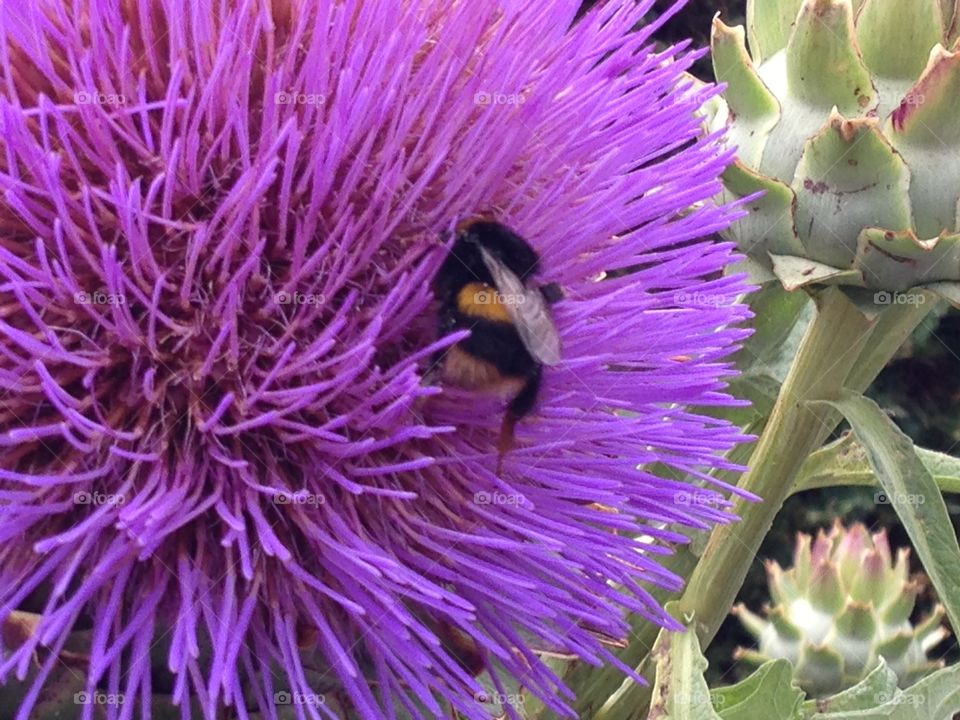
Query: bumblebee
[[485, 285]]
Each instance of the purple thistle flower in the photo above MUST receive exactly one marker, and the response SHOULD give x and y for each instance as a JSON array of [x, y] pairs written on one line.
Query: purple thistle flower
[[219, 223]]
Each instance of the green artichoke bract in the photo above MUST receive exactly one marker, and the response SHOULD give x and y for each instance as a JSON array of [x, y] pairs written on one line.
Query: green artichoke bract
[[845, 115], [842, 605]]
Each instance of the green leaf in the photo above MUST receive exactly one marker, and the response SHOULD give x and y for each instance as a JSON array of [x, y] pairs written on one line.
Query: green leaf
[[603, 693], [753, 110], [949, 291], [944, 468], [769, 225], [911, 489], [768, 692], [951, 19], [769, 23], [822, 667], [936, 697], [898, 261], [922, 130], [776, 313], [680, 692], [756, 272], [797, 272], [823, 70], [824, 67], [849, 178], [896, 37], [532, 706], [844, 463], [880, 683]]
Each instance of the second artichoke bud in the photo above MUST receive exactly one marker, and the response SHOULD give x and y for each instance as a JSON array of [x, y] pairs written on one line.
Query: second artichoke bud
[[843, 604]]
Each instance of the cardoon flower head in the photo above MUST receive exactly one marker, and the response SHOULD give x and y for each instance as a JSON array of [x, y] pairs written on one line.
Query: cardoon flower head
[[221, 441]]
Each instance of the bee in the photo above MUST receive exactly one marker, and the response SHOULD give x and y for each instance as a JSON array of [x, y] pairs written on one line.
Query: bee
[[468, 654], [485, 285]]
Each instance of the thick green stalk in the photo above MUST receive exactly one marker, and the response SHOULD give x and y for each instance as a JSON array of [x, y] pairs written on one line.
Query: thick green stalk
[[828, 354], [841, 349], [830, 348]]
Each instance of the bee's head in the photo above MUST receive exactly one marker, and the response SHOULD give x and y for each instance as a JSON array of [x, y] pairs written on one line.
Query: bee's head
[[504, 244]]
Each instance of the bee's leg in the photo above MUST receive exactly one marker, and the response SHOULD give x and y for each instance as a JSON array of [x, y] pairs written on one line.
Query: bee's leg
[[518, 407], [505, 443], [432, 373], [552, 292], [446, 324]]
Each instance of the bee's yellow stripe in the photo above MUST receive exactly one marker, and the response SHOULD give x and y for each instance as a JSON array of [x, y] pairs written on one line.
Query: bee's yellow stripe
[[482, 301]]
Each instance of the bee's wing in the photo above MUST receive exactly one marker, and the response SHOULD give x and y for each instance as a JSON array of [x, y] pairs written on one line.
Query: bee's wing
[[528, 310]]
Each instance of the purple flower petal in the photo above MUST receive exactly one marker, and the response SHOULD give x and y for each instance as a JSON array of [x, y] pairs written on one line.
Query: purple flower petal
[[218, 427]]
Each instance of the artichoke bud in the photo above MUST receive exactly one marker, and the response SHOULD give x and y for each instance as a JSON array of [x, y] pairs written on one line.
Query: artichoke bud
[[843, 115], [843, 604]]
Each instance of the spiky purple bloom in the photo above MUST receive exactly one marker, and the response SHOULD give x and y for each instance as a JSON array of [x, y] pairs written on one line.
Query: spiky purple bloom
[[218, 226]]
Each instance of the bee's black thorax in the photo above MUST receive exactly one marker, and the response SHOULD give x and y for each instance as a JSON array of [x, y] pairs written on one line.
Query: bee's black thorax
[[494, 350], [464, 264]]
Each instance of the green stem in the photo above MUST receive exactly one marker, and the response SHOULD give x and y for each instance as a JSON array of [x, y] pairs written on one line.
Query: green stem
[[828, 354], [868, 479], [944, 469], [841, 348]]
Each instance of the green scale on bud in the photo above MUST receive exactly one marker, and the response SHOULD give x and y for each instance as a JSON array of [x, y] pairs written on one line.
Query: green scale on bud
[[843, 605], [844, 116]]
